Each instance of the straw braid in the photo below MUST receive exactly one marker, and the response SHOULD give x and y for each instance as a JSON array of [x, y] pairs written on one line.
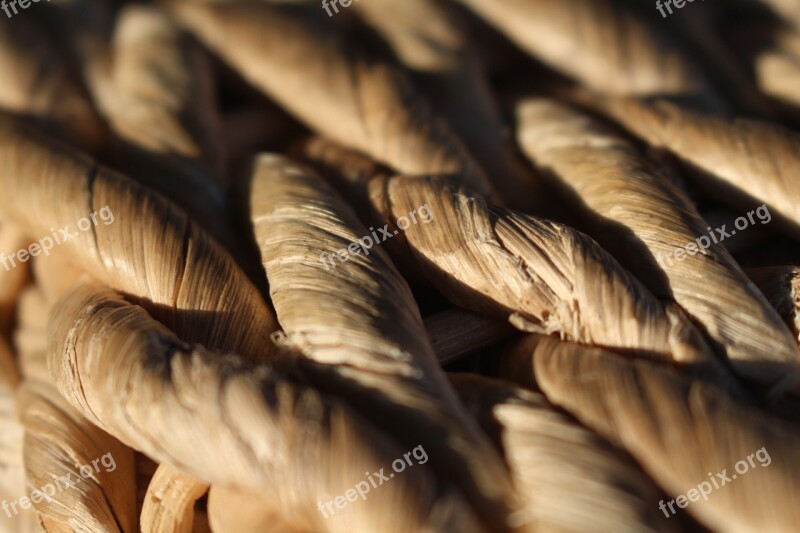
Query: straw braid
[[361, 317], [676, 428], [597, 42], [648, 223], [169, 503], [262, 428], [335, 88], [744, 160], [434, 43], [570, 479], [58, 443], [197, 290], [781, 286]]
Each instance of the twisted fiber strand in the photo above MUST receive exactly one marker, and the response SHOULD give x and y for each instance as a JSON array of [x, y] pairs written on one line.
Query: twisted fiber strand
[[432, 41], [261, 428], [12, 468], [333, 87], [677, 428], [58, 441], [160, 103], [540, 275], [570, 479], [83, 29], [596, 42], [361, 318], [639, 215], [197, 313], [737, 157], [197, 289], [163, 95], [169, 503], [781, 286]]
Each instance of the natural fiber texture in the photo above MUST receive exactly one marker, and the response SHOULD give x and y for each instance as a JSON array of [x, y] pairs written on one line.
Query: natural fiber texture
[[12, 468], [361, 317], [435, 44], [276, 229], [169, 503], [676, 428], [59, 442], [747, 161], [197, 289], [158, 101], [570, 479], [456, 333], [781, 286], [256, 428], [644, 226], [332, 87], [540, 275], [162, 91], [596, 42]]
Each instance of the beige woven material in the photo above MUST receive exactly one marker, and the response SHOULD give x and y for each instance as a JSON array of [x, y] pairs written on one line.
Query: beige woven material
[[435, 44], [644, 227], [375, 340], [601, 44], [781, 286], [677, 429], [747, 161], [570, 480], [334, 89], [398, 266]]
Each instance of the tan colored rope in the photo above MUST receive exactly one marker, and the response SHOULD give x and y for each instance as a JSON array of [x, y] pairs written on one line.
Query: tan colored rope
[[678, 429], [540, 275], [12, 468], [641, 217], [434, 43], [745, 161], [38, 83], [570, 479], [262, 428], [60, 446], [169, 503], [331, 86], [781, 286], [197, 289], [596, 42], [361, 318]]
